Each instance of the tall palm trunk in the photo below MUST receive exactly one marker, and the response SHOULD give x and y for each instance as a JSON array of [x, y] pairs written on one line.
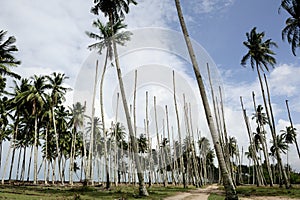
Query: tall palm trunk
[[90, 169], [272, 126], [258, 170], [227, 181], [149, 142], [142, 188], [57, 145], [290, 119], [181, 163], [35, 158], [263, 142], [103, 120]]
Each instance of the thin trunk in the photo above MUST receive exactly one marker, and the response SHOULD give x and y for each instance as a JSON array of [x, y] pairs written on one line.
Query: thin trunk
[[181, 163], [29, 164], [23, 166], [35, 158], [157, 138], [57, 145], [6, 161], [103, 121], [263, 142], [149, 142], [227, 181], [142, 188], [255, 160], [90, 170], [290, 119], [170, 161], [272, 126]]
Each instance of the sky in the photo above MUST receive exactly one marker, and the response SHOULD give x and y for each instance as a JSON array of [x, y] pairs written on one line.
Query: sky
[[51, 37]]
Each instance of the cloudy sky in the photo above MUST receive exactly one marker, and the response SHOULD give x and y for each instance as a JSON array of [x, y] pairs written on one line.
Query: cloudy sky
[[51, 37]]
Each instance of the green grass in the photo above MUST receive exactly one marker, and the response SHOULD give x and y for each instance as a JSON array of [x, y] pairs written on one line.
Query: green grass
[[246, 191], [214, 196], [78, 192]]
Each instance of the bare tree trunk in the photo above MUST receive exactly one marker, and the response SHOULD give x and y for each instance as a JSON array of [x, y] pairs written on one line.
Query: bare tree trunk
[[181, 163], [149, 142], [255, 160], [169, 146], [290, 119], [272, 127], [142, 188], [103, 121], [227, 181]]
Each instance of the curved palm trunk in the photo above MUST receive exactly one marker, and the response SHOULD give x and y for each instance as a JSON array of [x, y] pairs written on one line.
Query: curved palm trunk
[[290, 119], [272, 126], [103, 121], [142, 188], [227, 181]]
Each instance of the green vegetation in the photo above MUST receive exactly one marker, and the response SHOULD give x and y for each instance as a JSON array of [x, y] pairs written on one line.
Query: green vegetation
[[79, 192]]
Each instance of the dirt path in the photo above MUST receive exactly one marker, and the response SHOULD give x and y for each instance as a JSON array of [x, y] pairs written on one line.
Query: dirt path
[[203, 193]]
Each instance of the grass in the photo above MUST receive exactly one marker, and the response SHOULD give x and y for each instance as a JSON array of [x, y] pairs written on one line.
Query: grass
[[246, 191], [79, 192]]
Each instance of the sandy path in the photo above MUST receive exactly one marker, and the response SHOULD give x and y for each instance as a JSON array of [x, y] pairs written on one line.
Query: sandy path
[[203, 193]]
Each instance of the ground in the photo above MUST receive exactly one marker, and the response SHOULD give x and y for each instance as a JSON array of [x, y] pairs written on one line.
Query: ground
[[203, 193]]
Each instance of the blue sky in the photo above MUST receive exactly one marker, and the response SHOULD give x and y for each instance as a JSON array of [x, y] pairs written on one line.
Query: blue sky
[[50, 37]]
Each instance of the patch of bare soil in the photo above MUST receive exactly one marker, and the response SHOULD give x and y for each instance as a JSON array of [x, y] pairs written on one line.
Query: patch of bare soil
[[200, 193]]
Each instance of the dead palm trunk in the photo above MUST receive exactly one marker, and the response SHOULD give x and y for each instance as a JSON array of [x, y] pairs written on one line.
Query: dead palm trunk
[[90, 169], [158, 141], [181, 163], [142, 188], [263, 142], [103, 120], [149, 142], [169, 160], [255, 159], [227, 181], [272, 127], [290, 119]]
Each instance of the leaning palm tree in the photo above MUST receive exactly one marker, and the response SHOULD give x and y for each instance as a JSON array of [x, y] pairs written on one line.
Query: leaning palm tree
[[227, 180], [289, 134], [104, 40], [261, 56], [115, 9], [7, 60], [292, 29]]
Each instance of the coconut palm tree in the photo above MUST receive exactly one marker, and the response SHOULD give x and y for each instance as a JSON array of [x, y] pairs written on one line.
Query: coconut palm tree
[[7, 60], [289, 134], [260, 136], [76, 122], [261, 56], [292, 29], [57, 96], [115, 10], [227, 181], [293, 133], [104, 39], [35, 96]]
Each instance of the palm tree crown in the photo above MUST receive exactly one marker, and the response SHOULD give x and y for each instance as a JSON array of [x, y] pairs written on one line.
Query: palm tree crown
[[292, 29], [115, 9], [259, 51]]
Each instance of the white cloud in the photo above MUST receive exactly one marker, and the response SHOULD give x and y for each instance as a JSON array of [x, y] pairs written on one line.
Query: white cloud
[[284, 80]]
